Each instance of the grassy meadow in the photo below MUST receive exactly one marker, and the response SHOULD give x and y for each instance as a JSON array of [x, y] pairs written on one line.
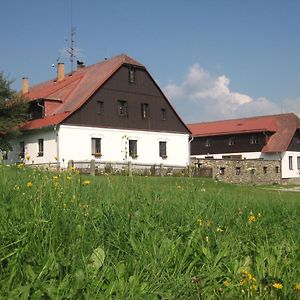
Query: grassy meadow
[[66, 236]]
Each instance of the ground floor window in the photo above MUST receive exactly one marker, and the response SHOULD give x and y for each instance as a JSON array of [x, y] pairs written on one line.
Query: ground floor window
[[238, 171], [41, 147], [96, 147], [298, 162], [163, 149], [291, 162], [222, 171], [133, 148]]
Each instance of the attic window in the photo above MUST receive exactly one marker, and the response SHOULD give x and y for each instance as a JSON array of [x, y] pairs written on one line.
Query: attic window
[[163, 114], [131, 75], [145, 110], [99, 107], [254, 139], [207, 143], [122, 108], [231, 141]]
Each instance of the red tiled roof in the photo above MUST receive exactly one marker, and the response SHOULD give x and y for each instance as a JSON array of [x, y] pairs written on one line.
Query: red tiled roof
[[282, 126], [47, 121], [74, 90]]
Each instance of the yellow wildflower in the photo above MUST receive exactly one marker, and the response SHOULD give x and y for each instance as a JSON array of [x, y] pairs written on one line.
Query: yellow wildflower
[[251, 218], [226, 282], [55, 177], [200, 222], [86, 182], [69, 178], [277, 285], [219, 229], [16, 187], [29, 184], [297, 287], [28, 157]]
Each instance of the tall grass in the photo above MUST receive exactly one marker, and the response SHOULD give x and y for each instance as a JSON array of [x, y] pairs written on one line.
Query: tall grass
[[64, 236]]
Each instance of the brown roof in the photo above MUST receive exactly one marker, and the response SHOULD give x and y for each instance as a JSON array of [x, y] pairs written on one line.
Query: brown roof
[[282, 127]]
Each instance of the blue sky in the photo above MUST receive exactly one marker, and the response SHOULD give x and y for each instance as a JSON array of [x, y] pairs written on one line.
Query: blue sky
[[214, 59]]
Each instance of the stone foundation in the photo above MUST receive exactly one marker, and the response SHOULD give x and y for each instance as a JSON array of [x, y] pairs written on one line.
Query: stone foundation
[[246, 171]]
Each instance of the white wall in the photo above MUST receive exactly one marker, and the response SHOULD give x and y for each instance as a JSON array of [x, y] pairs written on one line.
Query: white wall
[[31, 147], [75, 144], [286, 172]]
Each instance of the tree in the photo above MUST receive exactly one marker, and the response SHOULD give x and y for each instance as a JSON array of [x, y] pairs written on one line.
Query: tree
[[13, 112]]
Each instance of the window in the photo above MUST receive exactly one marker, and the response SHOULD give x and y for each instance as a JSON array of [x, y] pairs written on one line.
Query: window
[[222, 171], [277, 169], [291, 162], [231, 141], [265, 170], [298, 162], [122, 108], [133, 148], [145, 110], [41, 147], [238, 171], [163, 114], [207, 143], [131, 75], [99, 107], [163, 150], [22, 150], [253, 139], [96, 147]]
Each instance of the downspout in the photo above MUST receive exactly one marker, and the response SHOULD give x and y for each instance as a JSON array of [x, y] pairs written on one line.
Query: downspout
[[57, 146], [280, 159], [189, 150]]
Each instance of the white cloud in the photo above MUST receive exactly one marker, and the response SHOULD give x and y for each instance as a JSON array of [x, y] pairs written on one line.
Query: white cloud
[[202, 97]]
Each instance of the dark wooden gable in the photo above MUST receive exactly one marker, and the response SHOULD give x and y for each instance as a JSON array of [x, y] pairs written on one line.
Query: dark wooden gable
[[235, 143], [103, 108], [295, 142]]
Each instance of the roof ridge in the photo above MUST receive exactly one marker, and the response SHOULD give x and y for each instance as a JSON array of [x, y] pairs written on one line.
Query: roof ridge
[[246, 118]]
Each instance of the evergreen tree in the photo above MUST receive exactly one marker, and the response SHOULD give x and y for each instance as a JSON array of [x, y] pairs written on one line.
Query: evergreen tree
[[13, 112]]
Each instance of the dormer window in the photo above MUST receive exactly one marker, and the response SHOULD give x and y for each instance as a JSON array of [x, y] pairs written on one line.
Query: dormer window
[[36, 110], [131, 75]]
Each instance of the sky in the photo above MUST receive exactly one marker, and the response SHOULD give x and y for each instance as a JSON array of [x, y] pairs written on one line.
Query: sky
[[213, 59]]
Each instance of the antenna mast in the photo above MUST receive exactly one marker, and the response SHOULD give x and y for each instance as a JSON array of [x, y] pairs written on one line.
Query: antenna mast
[[71, 50]]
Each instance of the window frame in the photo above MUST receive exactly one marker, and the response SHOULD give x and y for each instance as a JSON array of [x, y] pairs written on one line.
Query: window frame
[[122, 108], [290, 162], [208, 142], [41, 148], [163, 113], [163, 149], [100, 107], [254, 139], [132, 148], [145, 110], [131, 75], [231, 141], [96, 147]]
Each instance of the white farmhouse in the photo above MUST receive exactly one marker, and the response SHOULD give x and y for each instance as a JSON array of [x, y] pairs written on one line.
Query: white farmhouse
[[112, 111]]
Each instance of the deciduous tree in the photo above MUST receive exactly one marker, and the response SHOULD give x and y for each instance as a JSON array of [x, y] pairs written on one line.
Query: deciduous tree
[[13, 112]]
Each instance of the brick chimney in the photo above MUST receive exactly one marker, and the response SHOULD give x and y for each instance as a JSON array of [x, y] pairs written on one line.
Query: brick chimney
[[25, 85], [60, 71]]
